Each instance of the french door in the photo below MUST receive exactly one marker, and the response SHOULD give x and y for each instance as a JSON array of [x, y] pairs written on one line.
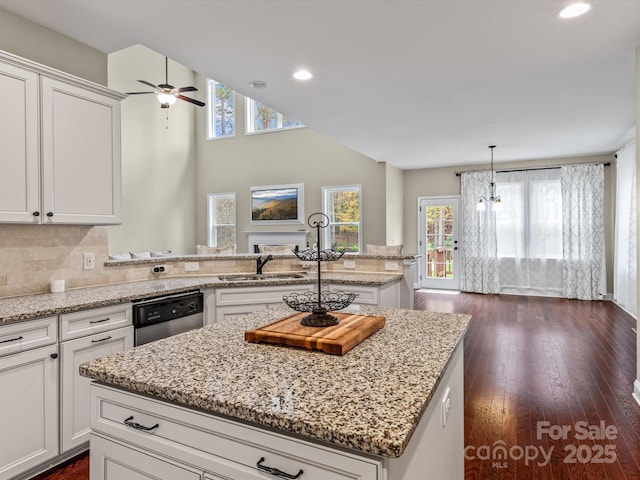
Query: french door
[[438, 242]]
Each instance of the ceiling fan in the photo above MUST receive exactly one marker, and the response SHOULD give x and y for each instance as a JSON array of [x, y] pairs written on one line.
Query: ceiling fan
[[168, 94]]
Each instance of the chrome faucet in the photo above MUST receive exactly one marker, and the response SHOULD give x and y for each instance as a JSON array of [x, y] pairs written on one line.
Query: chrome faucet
[[261, 262]]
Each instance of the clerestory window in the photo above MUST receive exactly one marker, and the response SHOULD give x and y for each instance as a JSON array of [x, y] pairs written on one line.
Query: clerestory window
[[221, 113], [261, 118]]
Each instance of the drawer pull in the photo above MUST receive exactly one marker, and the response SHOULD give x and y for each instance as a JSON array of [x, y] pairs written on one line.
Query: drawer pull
[[100, 321], [101, 339], [12, 339], [137, 426], [276, 472]]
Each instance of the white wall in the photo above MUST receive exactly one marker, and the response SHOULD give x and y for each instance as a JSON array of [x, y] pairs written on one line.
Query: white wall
[[395, 205], [158, 157], [39, 44], [637, 383], [293, 156]]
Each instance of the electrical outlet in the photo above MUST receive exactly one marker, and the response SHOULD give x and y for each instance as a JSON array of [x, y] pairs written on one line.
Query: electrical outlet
[[391, 266], [191, 266], [446, 406], [89, 261], [349, 264]]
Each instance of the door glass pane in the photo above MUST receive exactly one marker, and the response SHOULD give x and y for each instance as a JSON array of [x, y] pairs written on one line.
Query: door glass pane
[[440, 245]]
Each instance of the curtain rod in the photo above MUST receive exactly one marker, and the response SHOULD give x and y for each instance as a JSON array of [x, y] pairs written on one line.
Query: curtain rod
[[554, 167]]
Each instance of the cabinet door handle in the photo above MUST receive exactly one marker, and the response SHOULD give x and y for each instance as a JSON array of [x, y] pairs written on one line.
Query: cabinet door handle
[[12, 339], [100, 321], [275, 472], [36, 214], [49, 214], [130, 423], [54, 355], [101, 339]]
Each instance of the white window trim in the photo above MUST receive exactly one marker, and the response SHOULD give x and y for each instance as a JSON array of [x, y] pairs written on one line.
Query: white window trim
[[325, 209], [212, 240], [211, 109]]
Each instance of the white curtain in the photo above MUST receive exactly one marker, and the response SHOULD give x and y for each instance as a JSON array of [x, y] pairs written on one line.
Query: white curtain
[[529, 231], [625, 273], [583, 231], [479, 253]]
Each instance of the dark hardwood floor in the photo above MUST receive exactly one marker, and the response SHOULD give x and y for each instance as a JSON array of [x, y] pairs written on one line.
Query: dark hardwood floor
[[75, 469], [545, 375], [548, 380]]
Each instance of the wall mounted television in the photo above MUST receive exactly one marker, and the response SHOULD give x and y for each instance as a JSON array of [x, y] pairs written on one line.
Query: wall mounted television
[[277, 204]]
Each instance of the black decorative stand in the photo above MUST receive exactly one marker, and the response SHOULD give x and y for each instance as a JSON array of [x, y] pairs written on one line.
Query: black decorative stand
[[321, 303]]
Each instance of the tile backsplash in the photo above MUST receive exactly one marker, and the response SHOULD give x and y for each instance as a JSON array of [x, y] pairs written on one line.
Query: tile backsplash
[[33, 255]]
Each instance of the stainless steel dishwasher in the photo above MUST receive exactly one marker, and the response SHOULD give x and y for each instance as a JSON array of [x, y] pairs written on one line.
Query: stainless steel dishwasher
[[161, 317]]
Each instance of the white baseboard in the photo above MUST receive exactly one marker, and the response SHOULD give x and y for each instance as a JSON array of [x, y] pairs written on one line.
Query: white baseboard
[[636, 391]]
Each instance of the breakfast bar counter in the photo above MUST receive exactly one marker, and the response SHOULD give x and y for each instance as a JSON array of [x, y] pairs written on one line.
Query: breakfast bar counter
[[380, 400]]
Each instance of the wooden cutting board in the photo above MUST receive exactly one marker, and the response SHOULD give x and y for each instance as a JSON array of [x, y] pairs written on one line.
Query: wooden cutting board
[[336, 339]]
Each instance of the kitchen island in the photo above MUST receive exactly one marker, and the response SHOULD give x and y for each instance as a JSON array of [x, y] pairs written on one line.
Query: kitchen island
[[208, 403]]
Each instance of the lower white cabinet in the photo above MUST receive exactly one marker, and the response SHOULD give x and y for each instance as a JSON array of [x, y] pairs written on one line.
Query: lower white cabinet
[[112, 460], [44, 402], [235, 301], [387, 295], [28, 409], [75, 398], [149, 430]]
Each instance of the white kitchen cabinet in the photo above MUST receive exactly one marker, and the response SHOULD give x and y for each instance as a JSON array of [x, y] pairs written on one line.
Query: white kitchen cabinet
[[81, 178], [96, 320], [61, 147], [75, 398], [111, 460], [218, 447], [19, 168], [387, 295], [235, 301], [28, 409]]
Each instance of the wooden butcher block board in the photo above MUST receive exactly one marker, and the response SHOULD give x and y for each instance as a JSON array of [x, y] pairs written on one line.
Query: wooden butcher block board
[[336, 339]]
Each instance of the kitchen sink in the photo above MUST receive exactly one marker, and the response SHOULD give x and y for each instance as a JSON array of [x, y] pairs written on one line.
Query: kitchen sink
[[243, 277]]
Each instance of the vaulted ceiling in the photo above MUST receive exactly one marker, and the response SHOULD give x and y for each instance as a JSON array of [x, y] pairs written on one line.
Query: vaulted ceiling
[[418, 83]]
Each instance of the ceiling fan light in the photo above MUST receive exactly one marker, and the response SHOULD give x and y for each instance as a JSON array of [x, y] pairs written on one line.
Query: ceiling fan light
[[167, 98]]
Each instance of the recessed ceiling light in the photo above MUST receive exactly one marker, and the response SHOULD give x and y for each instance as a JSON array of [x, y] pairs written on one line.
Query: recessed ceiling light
[[575, 10], [303, 75], [257, 84]]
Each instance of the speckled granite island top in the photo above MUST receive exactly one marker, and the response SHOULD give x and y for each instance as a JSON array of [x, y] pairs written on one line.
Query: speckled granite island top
[[370, 399]]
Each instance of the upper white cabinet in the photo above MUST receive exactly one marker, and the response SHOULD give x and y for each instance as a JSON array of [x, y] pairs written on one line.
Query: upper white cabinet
[[20, 165], [61, 147]]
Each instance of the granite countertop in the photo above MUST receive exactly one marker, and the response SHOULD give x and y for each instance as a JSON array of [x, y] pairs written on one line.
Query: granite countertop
[[239, 256], [371, 399], [14, 309]]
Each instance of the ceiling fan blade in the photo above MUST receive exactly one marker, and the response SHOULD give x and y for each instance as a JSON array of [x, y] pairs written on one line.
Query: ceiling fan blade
[[186, 89], [138, 93], [148, 83], [191, 100]]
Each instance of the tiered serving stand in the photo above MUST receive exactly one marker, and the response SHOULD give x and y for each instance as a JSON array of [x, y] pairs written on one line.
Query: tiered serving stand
[[320, 303]]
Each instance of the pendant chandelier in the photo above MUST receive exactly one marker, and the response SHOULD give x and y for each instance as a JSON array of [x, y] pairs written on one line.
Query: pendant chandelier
[[493, 200]]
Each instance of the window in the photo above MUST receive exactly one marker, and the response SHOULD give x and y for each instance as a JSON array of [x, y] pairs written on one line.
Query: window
[[530, 224], [261, 118], [221, 115], [343, 207], [529, 232], [221, 219]]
